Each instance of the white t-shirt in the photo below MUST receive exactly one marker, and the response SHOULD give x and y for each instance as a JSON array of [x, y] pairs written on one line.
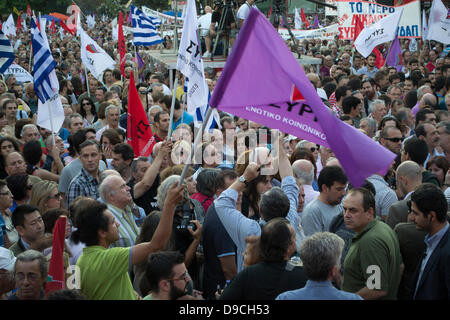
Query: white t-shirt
[[204, 21], [244, 11]]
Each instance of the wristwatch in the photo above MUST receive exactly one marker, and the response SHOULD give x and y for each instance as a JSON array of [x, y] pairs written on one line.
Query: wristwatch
[[243, 180]]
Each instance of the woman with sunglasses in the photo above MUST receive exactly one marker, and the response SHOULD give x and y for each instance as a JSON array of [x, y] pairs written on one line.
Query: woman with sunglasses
[[87, 111], [45, 196]]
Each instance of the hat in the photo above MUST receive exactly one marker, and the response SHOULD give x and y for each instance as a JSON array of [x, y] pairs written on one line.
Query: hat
[[7, 259]]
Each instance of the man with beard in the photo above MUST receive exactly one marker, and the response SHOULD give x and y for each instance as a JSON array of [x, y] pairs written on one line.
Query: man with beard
[[369, 91], [122, 156], [319, 213], [369, 69], [66, 89], [427, 132], [167, 276]]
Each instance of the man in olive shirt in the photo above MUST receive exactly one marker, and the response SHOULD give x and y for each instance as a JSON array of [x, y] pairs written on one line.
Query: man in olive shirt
[[372, 265]]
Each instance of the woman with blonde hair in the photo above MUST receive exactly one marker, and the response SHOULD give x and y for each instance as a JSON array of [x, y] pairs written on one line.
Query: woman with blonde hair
[[3, 87], [45, 196]]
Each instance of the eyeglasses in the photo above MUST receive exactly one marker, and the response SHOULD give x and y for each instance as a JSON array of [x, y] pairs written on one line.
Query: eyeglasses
[[142, 91], [6, 193], [394, 139], [56, 196], [183, 277]]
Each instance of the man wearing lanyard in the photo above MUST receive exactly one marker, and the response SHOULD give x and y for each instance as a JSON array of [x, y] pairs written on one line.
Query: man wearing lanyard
[[429, 211], [244, 11]]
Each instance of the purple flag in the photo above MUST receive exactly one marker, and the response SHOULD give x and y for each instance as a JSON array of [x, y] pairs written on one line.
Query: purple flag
[[316, 22], [140, 65], [259, 83], [393, 58]]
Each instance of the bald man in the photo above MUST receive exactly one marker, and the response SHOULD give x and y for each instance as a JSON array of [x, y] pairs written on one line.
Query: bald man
[[304, 170], [429, 101], [408, 178]]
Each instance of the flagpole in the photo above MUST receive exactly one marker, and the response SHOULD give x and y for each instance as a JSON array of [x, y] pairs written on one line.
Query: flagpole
[[197, 140], [136, 68], [87, 81], [172, 107], [31, 55]]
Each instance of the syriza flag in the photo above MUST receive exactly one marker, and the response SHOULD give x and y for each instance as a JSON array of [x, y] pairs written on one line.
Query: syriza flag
[[439, 23], [382, 31], [93, 56]]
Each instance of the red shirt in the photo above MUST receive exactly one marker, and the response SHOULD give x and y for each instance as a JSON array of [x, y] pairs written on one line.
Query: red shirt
[[204, 200]]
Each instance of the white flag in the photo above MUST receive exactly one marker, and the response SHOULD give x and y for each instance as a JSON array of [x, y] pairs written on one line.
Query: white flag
[[382, 31], [297, 20], [90, 21], [19, 73], [93, 56], [424, 26], [8, 27], [190, 61], [438, 23], [412, 45]]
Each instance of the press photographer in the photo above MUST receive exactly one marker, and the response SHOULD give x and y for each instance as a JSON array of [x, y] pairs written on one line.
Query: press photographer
[[223, 23]]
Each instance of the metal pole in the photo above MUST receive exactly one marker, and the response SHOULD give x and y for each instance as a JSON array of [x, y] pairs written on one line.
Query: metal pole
[[197, 140], [172, 107]]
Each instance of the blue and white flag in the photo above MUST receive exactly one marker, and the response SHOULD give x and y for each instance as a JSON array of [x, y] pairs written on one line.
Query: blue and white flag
[[6, 53], [43, 64], [145, 29], [50, 113], [200, 112]]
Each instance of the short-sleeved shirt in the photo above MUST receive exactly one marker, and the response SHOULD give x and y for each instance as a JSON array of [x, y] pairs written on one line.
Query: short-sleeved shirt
[[216, 244], [148, 200], [104, 273], [317, 216], [70, 171], [82, 184], [385, 197], [375, 250]]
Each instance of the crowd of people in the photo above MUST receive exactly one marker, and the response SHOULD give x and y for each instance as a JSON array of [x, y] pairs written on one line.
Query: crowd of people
[[246, 222]]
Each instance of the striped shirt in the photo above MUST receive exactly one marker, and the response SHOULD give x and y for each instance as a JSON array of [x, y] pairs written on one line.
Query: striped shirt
[[128, 230]]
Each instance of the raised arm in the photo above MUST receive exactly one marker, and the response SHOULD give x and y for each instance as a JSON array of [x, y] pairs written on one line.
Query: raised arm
[[150, 175], [141, 251]]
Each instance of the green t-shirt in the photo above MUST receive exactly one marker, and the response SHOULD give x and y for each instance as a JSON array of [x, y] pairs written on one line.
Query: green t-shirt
[[374, 251], [104, 273]]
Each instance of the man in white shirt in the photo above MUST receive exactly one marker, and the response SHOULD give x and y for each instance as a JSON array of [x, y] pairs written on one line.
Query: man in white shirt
[[204, 21], [244, 11]]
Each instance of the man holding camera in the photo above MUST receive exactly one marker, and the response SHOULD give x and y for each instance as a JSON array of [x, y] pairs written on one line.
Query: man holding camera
[[229, 25]]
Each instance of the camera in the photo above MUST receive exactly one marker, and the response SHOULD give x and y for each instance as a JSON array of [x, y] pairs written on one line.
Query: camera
[[182, 223]]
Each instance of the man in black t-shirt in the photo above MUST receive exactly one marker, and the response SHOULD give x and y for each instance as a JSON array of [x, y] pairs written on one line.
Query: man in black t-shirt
[[229, 26]]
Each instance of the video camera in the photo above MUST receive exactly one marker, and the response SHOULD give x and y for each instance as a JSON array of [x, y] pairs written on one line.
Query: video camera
[[182, 223], [219, 4]]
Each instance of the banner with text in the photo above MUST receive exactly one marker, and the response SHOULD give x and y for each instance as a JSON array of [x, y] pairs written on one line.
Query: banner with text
[[330, 11], [370, 12], [327, 33]]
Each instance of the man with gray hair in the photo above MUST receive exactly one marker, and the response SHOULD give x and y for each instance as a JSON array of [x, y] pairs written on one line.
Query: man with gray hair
[[420, 93], [408, 178], [369, 125], [112, 116], [304, 170], [29, 133], [377, 110], [321, 258], [30, 271], [74, 123], [116, 195]]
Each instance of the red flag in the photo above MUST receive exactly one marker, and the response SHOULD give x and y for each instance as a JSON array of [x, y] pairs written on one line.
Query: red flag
[[19, 22], [139, 132], [53, 26], [122, 48], [379, 62], [56, 277], [65, 27], [29, 11], [270, 11], [359, 26], [304, 20], [126, 17]]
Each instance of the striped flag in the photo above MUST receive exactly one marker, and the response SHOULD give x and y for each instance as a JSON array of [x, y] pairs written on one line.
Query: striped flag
[[145, 31], [6, 53], [43, 65], [200, 112]]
